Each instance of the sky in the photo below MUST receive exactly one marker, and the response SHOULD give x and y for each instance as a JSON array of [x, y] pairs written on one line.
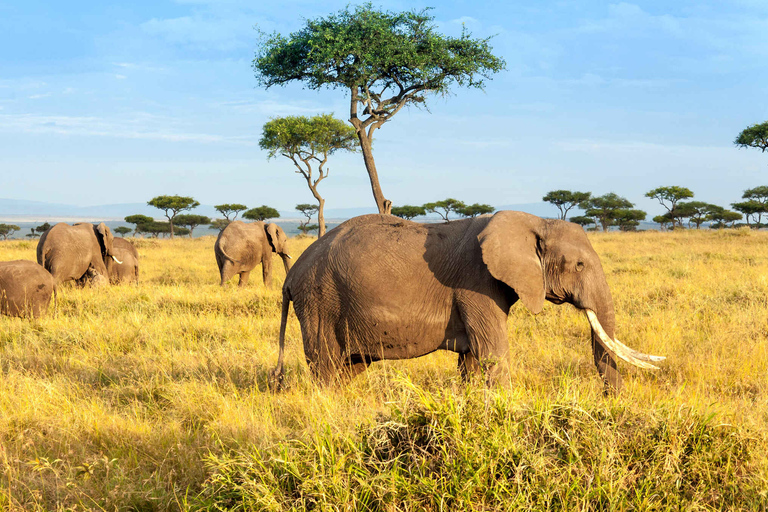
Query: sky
[[116, 102]]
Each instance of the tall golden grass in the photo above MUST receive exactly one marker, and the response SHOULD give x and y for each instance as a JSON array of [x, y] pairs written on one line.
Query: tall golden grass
[[154, 397]]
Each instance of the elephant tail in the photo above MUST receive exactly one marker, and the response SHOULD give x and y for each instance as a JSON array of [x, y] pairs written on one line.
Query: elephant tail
[[224, 253], [55, 302], [276, 376]]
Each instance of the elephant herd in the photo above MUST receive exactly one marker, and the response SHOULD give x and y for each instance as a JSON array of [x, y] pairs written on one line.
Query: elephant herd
[[377, 287]]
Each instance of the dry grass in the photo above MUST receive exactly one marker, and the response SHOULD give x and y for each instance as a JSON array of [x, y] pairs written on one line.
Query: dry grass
[[153, 397]]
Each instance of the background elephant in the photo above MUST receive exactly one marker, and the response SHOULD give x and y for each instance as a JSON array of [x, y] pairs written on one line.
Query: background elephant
[[241, 246], [68, 252], [25, 288], [378, 287], [128, 271]]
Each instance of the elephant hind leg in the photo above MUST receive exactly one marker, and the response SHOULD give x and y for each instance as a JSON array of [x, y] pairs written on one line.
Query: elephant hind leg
[[469, 368], [227, 270]]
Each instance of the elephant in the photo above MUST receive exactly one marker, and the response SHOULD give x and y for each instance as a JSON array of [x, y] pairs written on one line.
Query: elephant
[[25, 288], [379, 287], [68, 252], [241, 246], [128, 271]]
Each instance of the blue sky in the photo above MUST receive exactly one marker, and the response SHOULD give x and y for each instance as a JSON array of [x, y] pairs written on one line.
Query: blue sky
[[116, 102]]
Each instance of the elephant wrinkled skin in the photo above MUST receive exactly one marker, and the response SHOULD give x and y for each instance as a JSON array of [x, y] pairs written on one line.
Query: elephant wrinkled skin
[[68, 252], [128, 271], [25, 289], [241, 246], [379, 287]]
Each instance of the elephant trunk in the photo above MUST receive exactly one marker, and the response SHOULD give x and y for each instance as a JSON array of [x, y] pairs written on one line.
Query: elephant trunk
[[287, 263]]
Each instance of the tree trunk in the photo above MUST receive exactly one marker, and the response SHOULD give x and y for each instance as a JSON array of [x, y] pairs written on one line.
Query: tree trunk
[[321, 205], [384, 205]]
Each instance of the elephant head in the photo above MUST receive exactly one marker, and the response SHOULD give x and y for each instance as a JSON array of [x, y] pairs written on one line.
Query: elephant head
[[106, 241], [553, 260], [278, 240]]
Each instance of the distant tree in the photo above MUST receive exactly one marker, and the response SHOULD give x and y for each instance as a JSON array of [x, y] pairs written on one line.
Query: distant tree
[[758, 195], [308, 210], [262, 213], [230, 209], [7, 230], [172, 206], [755, 136], [445, 207], [307, 228], [750, 209], [627, 219], [32, 233], [219, 224], [385, 60], [157, 229], [602, 208], [476, 209], [42, 228], [583, 221], [719, 217], [664, 220], [122, 230], [138, 221], [565, 200], [671, 195], [408, 211], [191, 221], [308, 141], [695, 211]]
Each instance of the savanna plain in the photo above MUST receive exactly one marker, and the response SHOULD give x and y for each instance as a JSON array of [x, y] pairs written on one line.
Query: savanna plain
[[155, 397]]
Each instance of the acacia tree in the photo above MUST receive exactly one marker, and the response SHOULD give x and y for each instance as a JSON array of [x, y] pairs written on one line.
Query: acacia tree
[[7, 230], [408, 212], [663, 220], [671, 195], [307, 140], [583, 221], [172, 206], [122, 230], [603, 208], [445, 207], [228, 209], [755, 136], [719, 216], [385, 60], [219, 224], [139, 220], [695, 211], [191, 221], [565, 200], [749, 209], [476, 209], [627, 219], [308, 210], [261, 213]]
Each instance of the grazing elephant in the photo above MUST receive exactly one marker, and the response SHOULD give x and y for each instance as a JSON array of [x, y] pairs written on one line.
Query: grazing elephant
[[68, 252], [241, 246], [25, 288], [128, 271], [379, 287]]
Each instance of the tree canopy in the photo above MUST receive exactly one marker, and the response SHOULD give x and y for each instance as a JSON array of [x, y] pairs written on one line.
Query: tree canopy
[[445, 207], [408, 212], [671, 195], [191, 221], [228, 209], [308, 141], [603, 208], [627, 219], [565, 200], [755, 136], [138, 220], [172, 205], [261, 213], [473, 210], [7, 230], [219, 224], [122, 230], [385, 60], [308, 210]]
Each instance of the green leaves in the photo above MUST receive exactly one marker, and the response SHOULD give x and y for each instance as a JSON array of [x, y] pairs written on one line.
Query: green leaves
[[755, 136], [307, 137], [261, 213]]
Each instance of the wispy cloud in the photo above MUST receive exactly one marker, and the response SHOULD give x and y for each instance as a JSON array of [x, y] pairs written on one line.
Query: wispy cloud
[[139, 126], [273, 108], [203, 31]]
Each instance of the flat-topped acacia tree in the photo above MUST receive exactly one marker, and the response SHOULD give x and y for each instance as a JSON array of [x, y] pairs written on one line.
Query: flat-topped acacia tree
[[385, 60], [172, 205], [307, 141], [755, 136]]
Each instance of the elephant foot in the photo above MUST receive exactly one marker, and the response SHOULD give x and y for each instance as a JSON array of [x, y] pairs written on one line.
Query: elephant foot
[[275, 380]]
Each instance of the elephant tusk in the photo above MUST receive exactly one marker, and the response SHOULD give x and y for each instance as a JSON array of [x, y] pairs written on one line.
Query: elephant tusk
[[619, 349], [288, 256], [117, 260]]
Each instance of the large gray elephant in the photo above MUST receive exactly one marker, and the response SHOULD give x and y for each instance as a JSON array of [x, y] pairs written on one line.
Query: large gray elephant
[[128, 270], [25, 288], [69, 252], [241, 246], [378, 287]]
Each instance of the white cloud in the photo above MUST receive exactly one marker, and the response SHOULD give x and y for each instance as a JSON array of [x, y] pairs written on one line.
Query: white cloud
[[207, 32]]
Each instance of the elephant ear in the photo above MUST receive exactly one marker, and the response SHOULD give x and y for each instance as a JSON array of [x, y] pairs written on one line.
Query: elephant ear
[[511, 249], [105, 238], [272, 235]]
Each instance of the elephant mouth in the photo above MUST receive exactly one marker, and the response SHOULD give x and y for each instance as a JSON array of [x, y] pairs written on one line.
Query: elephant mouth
[[619, 349]]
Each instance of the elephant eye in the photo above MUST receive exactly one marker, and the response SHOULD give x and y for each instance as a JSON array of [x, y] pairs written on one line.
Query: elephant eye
[[579, 266]]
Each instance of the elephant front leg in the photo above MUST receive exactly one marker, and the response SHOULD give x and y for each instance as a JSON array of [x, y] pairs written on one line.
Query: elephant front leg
[[489, 348], [244, 276], [468, 367], [266, 269]]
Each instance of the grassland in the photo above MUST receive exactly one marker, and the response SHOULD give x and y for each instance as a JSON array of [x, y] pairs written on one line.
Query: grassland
[[154, 397]]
